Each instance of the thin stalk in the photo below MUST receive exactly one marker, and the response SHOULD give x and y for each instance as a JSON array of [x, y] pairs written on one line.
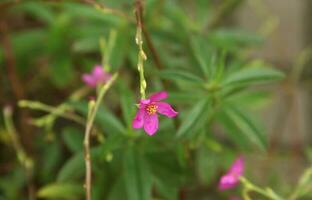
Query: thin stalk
[[139, 41], [58, 111], [86, 142], [304, 185], [92, 110], [249, 187], [25, 161]]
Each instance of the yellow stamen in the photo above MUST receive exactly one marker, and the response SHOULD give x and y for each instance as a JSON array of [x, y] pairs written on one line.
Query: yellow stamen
[[151, 109]]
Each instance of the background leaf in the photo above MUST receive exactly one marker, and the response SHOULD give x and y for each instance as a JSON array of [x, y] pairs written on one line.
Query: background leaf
[[249, 76], [137, 177], [61, 191], [247, 126]]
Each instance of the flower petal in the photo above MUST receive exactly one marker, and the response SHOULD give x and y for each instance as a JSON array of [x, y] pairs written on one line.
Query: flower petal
[[150, 124], [159, 96], [100, 75], [228, 181], [145, 101], [98, 71], [89, 80], [138, 120], [237, 167], [165, 109]]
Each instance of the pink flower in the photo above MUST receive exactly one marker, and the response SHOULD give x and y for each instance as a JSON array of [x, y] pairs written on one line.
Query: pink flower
[[231, 178], [97, 76], [147, 116]]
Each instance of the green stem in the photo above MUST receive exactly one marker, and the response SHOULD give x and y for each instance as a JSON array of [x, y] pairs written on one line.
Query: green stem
[[269, 193], [92, 110], [25, 161], [303, 186], [58, 111], [139, 41]]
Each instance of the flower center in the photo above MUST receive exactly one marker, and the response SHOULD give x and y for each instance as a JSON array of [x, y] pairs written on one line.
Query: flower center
[[151, 109]]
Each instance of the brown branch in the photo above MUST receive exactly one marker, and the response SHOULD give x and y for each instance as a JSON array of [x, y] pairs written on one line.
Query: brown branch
[[139, 19], [15, 82], [139, 13], [152, 49], [108, 10], [25, 161], [150, 45], [10, 62]]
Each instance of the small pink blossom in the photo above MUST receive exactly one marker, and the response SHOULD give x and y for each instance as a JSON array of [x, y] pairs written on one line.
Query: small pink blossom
[[96, 77], [231, 178], [147, 116]]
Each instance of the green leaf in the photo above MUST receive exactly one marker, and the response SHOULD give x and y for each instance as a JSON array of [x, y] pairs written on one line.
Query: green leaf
[[61, 191], [85, 45], [202, 54], [120, 49], [207, 164], [51, 158], [187, 96], [74, 168], [89, 12], [167, 172], [247, 126], [251, 99], [37, 10], [118, 190], [195, 119], [248, 76], [109, 122], [73, 139], [104, 118], [180, 75], [26, 44], [231, 39], [232, 131], [137, 177], [127, 104], [61, 71]]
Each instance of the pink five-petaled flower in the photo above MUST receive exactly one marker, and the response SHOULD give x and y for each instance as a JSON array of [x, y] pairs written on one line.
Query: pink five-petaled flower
[[96, 77], [231, 178], [147, 116]]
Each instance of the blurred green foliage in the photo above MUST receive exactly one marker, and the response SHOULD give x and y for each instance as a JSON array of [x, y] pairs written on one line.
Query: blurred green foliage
[[205, 67]]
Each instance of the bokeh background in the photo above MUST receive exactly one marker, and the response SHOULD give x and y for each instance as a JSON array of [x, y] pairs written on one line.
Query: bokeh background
[[46, 45]]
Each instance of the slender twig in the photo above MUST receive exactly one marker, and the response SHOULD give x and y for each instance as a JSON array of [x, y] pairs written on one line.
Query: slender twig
[[11, 62], [24, 160], [139, 41], [149, 42], [304, 185], [108, 10], [57, 111], [15, 82], [92, 110], [86, 142], [151, 47], [250, 187]]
